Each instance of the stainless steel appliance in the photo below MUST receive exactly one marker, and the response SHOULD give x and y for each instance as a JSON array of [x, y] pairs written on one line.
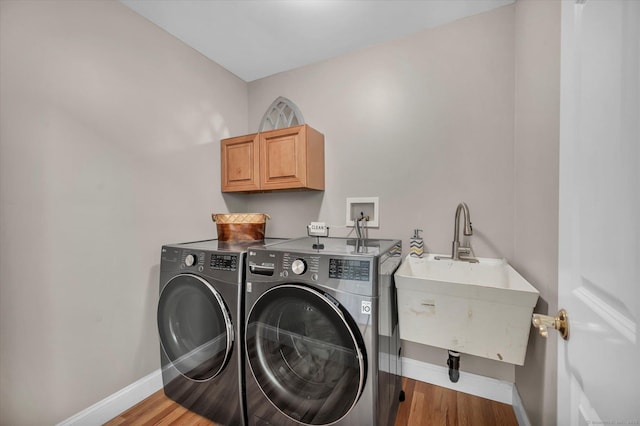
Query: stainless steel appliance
[[321, 333], [200, 314]]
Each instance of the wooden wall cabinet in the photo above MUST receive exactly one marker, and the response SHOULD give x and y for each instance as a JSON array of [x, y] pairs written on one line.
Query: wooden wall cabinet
[[289, 158], [240, 163]]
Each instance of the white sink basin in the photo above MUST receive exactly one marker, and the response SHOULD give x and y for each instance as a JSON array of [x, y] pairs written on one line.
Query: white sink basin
[[481, 308]]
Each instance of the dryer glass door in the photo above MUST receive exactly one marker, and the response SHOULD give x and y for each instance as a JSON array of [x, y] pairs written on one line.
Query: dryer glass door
[[195, 327], [306, 354]]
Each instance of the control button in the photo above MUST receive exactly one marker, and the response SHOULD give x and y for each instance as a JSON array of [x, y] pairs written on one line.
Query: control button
[[299, 266], [190, 260], [285, 274], [314, 277]]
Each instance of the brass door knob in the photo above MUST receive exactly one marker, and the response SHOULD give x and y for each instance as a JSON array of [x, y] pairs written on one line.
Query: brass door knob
[[560, 323]]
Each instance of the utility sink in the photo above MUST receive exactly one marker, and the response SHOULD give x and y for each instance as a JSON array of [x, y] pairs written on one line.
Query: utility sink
[[483, 308]]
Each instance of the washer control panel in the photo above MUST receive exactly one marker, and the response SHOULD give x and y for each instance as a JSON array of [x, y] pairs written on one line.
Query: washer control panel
[[355, 274], [299, 265], [309, 266], [349, 269]]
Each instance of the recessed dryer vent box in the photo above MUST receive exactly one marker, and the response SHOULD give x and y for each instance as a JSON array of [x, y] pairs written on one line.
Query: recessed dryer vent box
[[368, 206]]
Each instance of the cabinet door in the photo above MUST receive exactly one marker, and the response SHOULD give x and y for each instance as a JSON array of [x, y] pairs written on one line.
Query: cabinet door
[[284, 155], [240, 163]]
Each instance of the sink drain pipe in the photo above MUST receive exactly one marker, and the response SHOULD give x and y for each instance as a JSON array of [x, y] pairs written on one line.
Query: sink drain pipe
[[454, 365]]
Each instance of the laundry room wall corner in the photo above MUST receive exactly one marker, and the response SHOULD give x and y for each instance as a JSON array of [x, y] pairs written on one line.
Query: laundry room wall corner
[[109, 148]]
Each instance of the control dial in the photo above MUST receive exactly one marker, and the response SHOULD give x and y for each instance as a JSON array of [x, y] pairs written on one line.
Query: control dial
[[190, 260], [299, 266]]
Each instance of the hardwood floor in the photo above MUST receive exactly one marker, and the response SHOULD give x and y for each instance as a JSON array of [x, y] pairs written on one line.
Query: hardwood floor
[[428, 404], [425, 404]]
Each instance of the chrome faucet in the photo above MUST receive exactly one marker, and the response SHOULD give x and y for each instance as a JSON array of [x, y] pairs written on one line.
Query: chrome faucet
[[456, 250], [468, 230]]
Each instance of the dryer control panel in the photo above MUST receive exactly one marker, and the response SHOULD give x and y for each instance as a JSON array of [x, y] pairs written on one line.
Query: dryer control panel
[[190, 259], [224, 262]]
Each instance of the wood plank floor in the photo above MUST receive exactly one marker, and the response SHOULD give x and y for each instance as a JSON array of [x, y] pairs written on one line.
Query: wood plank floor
[[425, 404]]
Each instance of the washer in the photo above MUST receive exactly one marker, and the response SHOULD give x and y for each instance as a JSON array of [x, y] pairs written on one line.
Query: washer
[[321, 333], [200, 313]]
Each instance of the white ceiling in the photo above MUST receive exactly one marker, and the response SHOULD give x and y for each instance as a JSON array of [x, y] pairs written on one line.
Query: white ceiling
[[257, 38]]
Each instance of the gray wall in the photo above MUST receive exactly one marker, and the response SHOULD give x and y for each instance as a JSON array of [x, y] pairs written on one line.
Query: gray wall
[[467, 111], [424, 123], [537, 131], [109, 147]]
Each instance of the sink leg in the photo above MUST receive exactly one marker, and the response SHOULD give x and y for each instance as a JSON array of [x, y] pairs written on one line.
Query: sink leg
[[454, 366]]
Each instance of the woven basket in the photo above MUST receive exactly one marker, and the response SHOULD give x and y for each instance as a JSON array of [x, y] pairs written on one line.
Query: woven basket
[[240, 226]]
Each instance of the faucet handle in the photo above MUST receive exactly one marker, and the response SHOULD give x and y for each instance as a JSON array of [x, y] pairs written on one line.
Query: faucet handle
[[467, 252], [464, 250]]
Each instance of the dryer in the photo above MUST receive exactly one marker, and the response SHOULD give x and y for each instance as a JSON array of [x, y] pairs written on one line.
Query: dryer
[[200, 314], [321, 333]]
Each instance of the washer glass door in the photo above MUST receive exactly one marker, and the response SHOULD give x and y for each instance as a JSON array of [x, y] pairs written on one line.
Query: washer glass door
[[306, 354], [195, 327]]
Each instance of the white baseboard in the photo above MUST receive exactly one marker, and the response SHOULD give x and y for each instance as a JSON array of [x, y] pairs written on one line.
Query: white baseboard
[[485, 387], [518, 408], [105, 410]]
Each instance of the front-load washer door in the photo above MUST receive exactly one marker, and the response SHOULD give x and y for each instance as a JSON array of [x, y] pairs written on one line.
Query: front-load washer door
[[306, 354], [196, 332]]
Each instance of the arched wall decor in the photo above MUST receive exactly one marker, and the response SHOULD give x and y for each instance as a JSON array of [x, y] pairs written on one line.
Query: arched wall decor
[[280, 114]]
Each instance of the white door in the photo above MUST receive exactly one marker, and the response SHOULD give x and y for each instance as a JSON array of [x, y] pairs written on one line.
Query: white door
[[599, 279]]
